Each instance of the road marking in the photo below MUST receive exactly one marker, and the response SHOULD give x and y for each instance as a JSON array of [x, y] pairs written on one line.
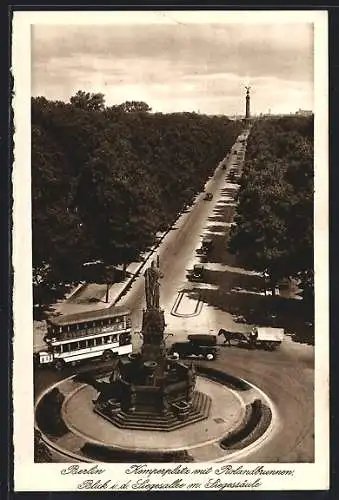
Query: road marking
[[186, 307]]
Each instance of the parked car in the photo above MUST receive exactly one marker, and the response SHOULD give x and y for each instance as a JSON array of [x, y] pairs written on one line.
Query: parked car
[[197, 272], [197, 346], [206, 245], [208, 197]]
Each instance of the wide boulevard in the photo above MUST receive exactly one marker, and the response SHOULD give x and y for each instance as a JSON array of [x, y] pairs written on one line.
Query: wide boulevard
[[222, 299]]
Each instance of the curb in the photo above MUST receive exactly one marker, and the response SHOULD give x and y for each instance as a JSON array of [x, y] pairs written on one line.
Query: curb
[[142, 264], [76, 290], [230, 456]]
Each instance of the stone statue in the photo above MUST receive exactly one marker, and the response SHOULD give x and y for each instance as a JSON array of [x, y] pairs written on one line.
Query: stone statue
[[152, 276], [191, 380]]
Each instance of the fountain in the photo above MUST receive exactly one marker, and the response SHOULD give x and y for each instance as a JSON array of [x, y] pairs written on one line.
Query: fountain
[[171, 412], [151, 390]]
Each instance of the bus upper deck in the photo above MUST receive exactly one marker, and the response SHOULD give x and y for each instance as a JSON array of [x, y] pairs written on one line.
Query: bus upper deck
[[66, 327], [77, 337]]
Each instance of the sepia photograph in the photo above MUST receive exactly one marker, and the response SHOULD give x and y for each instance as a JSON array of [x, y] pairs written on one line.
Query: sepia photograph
[[170, 248]]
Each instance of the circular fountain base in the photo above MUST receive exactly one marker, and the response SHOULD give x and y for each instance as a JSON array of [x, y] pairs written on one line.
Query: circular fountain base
[[85, 436], [147, 419]]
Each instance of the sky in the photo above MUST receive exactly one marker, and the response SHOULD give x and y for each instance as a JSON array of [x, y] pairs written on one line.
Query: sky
[[175, 65]]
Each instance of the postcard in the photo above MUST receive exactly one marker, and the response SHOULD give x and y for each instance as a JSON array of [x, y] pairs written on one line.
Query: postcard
[[170, 250]]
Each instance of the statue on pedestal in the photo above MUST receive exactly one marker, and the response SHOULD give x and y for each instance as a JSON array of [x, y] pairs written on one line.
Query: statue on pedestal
[[152, 276], [191, 380]]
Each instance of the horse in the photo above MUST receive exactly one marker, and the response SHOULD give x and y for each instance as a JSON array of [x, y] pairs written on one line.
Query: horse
[[228, 336]]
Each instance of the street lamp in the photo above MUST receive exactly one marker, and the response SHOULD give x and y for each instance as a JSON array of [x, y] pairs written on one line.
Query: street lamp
[[266, 276]]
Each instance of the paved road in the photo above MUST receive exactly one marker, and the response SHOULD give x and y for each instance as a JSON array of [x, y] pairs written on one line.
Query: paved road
[[177, 252], [286, 376]]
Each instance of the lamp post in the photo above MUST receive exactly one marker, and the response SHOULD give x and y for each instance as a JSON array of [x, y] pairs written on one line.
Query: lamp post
[[266, 276], [107, 292]]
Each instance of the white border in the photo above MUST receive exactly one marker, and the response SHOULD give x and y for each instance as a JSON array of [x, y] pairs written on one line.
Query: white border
[[46, 477]]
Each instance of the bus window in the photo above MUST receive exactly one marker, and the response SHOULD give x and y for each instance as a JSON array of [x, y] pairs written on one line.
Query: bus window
[[115, 338], [107, 339], [90, 342], [82, 344], [74, 346]]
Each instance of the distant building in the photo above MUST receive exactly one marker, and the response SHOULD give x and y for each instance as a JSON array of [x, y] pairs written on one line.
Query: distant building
[[303, 112]]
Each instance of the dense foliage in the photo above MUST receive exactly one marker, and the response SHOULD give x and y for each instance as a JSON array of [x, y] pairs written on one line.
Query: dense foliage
[[105, 180], [274, 232]]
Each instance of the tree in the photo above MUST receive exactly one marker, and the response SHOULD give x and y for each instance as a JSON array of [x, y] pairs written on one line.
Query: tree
[[106, 179], [274, 229], [135, 107], [117, 213], [88, 101]]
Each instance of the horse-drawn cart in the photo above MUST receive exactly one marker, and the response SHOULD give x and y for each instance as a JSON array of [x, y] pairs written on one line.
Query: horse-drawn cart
[[259, 337], [267, 337]]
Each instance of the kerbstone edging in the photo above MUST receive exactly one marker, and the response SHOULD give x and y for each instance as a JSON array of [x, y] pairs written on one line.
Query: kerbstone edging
[[229, 452]]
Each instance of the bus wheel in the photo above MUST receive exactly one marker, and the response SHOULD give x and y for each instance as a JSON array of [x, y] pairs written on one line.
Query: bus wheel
[[59, 364], [107, 355]]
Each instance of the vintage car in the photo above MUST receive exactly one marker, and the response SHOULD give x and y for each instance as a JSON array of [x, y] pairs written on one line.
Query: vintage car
[[231, 175], [208, 197], [196, 346], [197, 272], [206, 245]]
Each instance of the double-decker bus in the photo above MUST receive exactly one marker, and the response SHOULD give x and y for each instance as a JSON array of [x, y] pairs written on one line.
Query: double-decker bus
[[77, 337]]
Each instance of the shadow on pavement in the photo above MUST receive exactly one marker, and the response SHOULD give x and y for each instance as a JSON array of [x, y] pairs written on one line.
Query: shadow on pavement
[[246, 308], [242, 295]]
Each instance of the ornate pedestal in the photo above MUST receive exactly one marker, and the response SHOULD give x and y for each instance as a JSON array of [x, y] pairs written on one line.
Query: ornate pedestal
[[150, 390]]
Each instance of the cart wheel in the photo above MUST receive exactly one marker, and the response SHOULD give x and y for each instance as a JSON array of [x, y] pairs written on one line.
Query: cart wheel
[[107, 355], [59, 364]]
